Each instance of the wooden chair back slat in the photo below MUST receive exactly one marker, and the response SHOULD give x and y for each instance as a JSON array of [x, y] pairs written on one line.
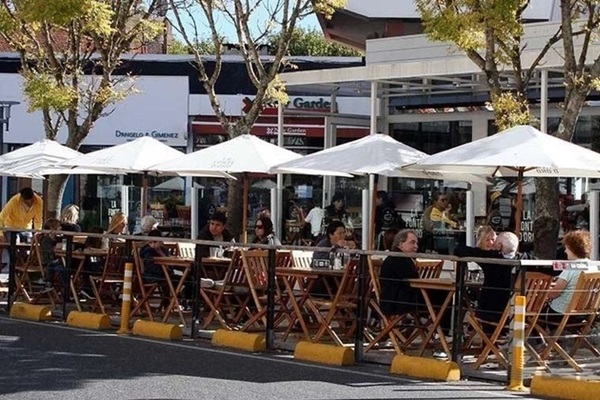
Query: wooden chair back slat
[[187, 250], [256, 265], [374, 272], [429, 269], [283, 259], [537, 285], [302, 259]]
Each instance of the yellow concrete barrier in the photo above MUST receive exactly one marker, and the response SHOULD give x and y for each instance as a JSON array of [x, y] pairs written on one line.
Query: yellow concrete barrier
[[239, 340], [425, 368], [157, 330], [30, 312], [567, 388], [324, 353], [88, 320]]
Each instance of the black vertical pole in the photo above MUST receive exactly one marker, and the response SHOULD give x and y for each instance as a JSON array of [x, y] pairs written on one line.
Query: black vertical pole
[[68, 276], [457, 312], [196, 294], [271, 301], [12, 264], [360, 312]]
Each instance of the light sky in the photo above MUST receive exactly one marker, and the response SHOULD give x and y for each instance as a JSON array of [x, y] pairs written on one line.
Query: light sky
[[227, 30]]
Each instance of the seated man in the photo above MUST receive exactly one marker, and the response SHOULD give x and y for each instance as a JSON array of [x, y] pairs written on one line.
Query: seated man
[[214, 231]]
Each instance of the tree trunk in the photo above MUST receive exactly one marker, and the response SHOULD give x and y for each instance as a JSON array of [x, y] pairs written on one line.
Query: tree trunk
[[56, 189], [545, 226], [235, 207]]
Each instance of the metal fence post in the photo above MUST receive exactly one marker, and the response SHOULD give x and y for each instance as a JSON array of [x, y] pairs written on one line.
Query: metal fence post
[[68, 266], [12, 264], [360, 311], [196, 293], [270, 337], [457, 314]]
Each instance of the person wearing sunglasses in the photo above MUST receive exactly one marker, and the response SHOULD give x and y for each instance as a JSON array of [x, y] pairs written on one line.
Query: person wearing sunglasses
[[263, 232]]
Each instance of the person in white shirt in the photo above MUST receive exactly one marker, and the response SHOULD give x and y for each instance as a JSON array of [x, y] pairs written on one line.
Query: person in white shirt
[[315, 219]]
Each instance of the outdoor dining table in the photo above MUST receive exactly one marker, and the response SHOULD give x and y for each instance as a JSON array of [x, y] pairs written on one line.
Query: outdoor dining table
[[81, 256], [304, 279], [215, 268], [425, 286], [183, 264]]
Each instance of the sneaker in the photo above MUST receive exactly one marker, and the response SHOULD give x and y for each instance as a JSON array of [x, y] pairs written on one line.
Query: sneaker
[[207, 283], [86, 295], [440, 354]]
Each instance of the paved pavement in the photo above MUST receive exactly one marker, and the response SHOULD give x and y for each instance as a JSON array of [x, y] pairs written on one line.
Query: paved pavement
[[50, 361]]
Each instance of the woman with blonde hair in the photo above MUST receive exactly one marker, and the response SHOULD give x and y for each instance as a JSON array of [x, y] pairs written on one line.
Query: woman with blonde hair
[[117, 225], [69, 219], [486, 238]]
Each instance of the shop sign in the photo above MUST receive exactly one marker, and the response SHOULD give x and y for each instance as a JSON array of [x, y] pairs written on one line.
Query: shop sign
[[566, 265], [161, 136], [527, 227], [320, 104]]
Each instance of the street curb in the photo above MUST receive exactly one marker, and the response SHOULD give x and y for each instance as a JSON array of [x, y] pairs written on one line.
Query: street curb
[[567, 388], [252, 342], [324, 354], [88, 320], [425, 368], [157, 330], [30, 312]]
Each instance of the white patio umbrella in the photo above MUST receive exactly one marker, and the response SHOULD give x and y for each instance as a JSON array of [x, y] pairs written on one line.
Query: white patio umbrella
[[520, 151], [376, 154], [177, 183], [137, 156], [243, 154], [264, 184]]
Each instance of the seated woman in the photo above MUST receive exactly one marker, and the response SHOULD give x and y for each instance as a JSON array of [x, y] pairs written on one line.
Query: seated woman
[[264, 234], [578, 248], [335, 238], [53, 266], [69, 219], [117, 226]]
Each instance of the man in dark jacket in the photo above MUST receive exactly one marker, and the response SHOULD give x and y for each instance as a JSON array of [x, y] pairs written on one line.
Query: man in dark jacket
[[214, 231]]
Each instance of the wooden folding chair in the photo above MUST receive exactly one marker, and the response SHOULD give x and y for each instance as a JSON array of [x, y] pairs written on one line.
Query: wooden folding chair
[[401, 330], [228, 300], [27, 273], [302, 259], [536, 292], [187, 250], [341, 311], [107, 286], [144, 292], [578, 321], [429, 269]]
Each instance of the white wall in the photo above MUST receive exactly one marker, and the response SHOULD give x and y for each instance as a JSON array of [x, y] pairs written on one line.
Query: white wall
[[160, 109], [538, 9]]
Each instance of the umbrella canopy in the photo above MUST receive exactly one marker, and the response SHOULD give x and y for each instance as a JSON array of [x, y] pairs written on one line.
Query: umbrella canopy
[[521, 151], [176, 183], [31, 161], [245, 153], [376, 154], [520, 148]]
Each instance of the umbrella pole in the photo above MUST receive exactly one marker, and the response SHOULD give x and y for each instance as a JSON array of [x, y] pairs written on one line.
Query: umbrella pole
[[519, 211], [372, 232], [144, 195], [245, 211]]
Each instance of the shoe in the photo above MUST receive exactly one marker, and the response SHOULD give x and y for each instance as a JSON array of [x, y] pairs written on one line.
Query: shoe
[[439, 354], [86, 295], [207, 283]]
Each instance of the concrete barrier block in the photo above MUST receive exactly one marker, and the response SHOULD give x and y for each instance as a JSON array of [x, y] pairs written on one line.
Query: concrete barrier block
[[252, 342], [88, 320], [30, 312], [563, 387], [425, 368], [324, 354], [157, 330]]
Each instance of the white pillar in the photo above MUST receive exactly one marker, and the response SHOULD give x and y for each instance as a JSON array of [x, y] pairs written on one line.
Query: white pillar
[[369, 232], [470, 220], [125, 199], [544, 102], [593, 198], [276, 209], [193, 196], [366, 199]]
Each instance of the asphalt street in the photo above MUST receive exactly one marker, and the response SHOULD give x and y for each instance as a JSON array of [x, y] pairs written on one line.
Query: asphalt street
[[50, 361]]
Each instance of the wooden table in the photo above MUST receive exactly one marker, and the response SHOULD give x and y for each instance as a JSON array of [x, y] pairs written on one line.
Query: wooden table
[[215, 267], [304, 279], [426, 285], [80, 255], [185, 265]]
